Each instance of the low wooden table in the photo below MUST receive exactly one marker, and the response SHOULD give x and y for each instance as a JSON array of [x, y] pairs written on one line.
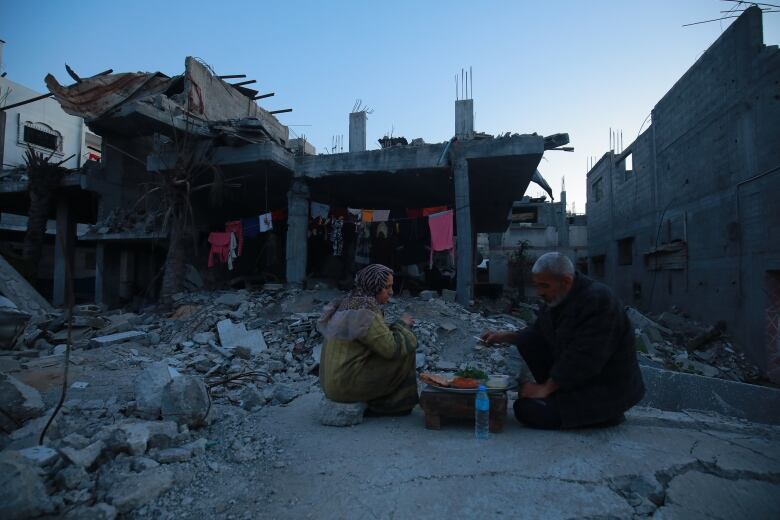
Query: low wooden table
[[440, 403]]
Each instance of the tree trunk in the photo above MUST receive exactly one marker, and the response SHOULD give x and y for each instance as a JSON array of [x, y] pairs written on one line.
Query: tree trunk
[[37, 218], [173, 277]]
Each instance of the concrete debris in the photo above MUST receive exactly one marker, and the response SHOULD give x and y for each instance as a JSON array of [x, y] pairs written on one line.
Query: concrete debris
[[185, 400], [40, 455], [22, 491], [251, 398], [18, 403], [341, 414], [149, 390], [233, 335], [100, 511], [138, 489], [120, 337], [85, 457]]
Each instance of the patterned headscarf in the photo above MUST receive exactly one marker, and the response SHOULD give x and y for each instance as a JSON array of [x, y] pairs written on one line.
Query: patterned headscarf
[[368, 282]]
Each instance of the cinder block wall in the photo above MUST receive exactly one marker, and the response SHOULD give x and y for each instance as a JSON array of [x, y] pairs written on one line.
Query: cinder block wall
[[706, 172]]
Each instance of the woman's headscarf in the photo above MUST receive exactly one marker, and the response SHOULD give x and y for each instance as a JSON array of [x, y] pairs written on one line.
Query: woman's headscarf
[[368, 282], [351, 317]]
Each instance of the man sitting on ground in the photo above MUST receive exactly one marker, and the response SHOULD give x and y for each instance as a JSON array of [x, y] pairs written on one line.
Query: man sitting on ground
[[580, 350]]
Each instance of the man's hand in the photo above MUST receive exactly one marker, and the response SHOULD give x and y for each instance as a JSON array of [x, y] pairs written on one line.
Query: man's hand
[[407, 319], [495, 336], [537, 391]]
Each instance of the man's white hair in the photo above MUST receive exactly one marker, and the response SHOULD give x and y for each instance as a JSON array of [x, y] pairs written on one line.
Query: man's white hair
[[555, 264]]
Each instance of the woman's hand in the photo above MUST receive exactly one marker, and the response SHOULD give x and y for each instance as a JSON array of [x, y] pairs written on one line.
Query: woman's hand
[[407, 319]]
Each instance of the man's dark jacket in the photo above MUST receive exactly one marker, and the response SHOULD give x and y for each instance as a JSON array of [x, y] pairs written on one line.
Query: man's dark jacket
[[594, 355]]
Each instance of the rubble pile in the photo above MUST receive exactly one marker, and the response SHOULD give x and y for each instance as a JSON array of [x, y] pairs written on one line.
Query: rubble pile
[[675, 342], [137, 220]]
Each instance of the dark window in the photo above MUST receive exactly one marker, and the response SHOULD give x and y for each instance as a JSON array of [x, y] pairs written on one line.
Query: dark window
[[597, 262], [41, 138], [598, 190], [527, 215], [626, 251]]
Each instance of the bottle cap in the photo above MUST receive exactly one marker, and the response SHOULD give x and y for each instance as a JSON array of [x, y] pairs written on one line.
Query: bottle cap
[[482, 388]]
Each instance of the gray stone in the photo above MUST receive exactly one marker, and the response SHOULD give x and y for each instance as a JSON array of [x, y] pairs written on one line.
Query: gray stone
[[144, 463], [448, 326], [85, 457], [341, 414], [251, 397], [233, 335], [203, 338], [119, 337], [18, 402], [22, 491], [139, 489], [446, 365], [171, 455], [273, 287], [275, 365], [72, 477], [420, 360], [149, 390], [230, 299], [153, 338], [283, 394], [186, 401], [149, 434], [40, 455], [75, 440], [448, 295], [100, 511], [428, 295], [196, 448], [201, 363]]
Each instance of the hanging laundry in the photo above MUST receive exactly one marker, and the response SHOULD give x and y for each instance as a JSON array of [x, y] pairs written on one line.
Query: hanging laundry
[[357, 214], [434, 209], [220, 248], [266, 222], [413, 213], [368, 215], [363, 246], [381, 215], [236, 227], [279, 214], [232, 251], [251, 227], [336, 236], [441, 233], [319, 210], [381, 229]]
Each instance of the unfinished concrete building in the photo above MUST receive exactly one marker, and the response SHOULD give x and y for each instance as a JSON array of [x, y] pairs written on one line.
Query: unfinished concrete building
[[239, 166], [693, 221]]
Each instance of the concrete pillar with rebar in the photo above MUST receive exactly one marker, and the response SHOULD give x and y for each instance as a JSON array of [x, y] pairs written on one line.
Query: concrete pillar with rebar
[[297, 230]]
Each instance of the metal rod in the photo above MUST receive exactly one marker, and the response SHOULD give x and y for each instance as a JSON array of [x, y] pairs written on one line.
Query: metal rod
[[72, 73], [20, 103], [105, 72], [263, 96], [232, 76], [244, 82], [471, 87], [280, 111]]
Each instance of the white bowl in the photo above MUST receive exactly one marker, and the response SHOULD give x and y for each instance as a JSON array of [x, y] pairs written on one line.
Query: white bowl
[[498, 381]]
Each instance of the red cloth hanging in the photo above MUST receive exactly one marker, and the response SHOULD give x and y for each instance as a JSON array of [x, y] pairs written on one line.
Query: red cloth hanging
[[441, 233], [432, 210], [220, 248]]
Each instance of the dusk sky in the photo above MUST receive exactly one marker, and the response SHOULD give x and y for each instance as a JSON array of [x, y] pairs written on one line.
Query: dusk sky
[[546, 67]]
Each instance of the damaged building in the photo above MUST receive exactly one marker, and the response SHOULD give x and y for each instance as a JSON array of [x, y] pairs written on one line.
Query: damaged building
[[200, 186], [686, 216]]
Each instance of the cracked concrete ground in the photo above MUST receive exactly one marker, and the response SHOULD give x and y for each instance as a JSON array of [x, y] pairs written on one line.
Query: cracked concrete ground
[[656, 464]]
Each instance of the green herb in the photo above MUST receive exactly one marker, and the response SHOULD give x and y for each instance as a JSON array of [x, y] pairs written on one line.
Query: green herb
[[471, 373]]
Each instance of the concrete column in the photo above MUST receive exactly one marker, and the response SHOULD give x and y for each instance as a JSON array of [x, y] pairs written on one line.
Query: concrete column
[[107, 260], [563, 226], [464, 119], [64, 244], [297, 230], [464, 252], [357, 131]]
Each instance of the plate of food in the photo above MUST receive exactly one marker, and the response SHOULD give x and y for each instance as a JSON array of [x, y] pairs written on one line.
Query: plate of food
[[466, 381]]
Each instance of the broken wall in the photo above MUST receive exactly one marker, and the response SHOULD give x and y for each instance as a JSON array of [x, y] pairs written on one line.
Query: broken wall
[[705, 177]]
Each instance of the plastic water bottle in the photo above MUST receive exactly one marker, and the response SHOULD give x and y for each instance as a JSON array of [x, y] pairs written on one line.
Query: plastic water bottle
[[481, 414]]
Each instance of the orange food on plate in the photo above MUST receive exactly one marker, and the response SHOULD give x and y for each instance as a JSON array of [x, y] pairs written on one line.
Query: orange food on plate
[[464, 382]]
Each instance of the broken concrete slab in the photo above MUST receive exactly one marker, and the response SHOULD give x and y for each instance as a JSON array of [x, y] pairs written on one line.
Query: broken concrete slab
[[230, 299], [86, 457], [171, 455], [332, 413], [100, 511], [72, 477], [139, 489], [149, 434], [119, 337], [149, 390], [40, 455], [676, 391], [19, 291], [186, 401], [22, 491], [18, 403], [233, 335]]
